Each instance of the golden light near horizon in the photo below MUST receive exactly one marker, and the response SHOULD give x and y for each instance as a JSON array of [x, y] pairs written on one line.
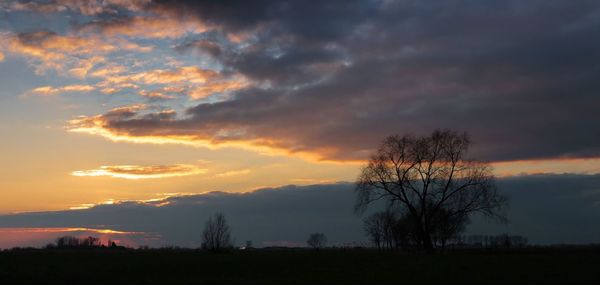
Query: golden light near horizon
[[65, 230], [41, 236], [589, 166], [142, 172]]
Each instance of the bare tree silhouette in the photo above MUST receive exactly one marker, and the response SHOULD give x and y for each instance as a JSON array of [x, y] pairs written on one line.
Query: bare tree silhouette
[[431, 181], [91, 242], [380, 229], [375, 229], [216, 235], [390, 230], [317, 240]]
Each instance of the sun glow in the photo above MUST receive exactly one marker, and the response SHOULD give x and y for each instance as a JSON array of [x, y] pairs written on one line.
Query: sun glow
[[66, 230], [142, 172]]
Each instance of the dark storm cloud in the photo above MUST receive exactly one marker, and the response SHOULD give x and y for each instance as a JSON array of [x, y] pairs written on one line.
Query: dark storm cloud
[[546, 208], [334, 78], [322, 20]]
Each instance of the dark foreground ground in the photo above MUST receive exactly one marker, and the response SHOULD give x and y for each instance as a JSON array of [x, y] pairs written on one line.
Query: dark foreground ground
[[547, 266]]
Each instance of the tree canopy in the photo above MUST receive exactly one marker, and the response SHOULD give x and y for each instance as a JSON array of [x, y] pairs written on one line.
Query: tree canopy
[[432, 181]]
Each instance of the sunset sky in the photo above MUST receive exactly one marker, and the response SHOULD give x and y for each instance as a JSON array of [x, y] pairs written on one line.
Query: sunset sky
[[109, 102]]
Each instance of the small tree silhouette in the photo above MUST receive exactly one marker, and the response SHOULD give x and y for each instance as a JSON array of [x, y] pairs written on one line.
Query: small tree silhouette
[[380, 228], [317, 240], [216, 235]]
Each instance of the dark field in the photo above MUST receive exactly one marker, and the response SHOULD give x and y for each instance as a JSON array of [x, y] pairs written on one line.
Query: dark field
[[555, 266]]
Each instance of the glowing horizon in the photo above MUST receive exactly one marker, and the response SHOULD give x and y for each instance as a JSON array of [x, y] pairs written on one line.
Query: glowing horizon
[[27, 236]]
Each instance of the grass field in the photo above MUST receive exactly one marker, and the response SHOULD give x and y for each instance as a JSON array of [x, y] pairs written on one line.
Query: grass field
[[548, 266]]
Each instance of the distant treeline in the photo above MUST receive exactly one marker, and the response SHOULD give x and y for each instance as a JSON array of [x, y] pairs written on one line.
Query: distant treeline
[[490, 241], [72, 242]]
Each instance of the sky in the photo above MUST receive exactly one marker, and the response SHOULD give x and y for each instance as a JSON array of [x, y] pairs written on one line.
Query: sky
[[106, 104]]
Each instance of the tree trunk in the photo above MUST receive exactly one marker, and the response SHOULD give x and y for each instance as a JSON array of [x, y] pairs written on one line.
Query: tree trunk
[[427, 244], [425, 238]]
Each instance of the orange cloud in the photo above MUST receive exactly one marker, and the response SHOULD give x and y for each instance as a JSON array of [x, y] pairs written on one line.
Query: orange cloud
[[109, 70], [48, 59], [49, 90], [233, 173], [85, 56], [38, 7], [50, 50], [186, 74], [167, 92], [85, 65], [156, 94], [547, 166], [1, 57], [142, 172], [210, 138], [88, 8], [125, 111], [98, 125], [107, 87], [196, 82], [66, 44], [217, 87], [148, 27]]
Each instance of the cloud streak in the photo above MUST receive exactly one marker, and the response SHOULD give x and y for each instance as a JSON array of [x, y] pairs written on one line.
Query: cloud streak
[[146, 27], [233, 173], [49, 90], [141, 172]]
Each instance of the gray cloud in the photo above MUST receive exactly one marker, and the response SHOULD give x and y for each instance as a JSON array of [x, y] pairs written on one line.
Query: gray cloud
[[266, 216], [335, 77], [546, 208], [208, 47]]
